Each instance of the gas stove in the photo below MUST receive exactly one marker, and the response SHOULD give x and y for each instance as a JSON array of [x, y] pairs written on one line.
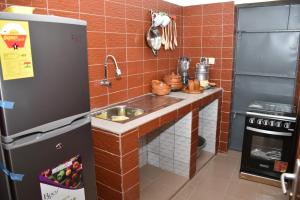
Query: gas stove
[[269, 141], [272, 110]]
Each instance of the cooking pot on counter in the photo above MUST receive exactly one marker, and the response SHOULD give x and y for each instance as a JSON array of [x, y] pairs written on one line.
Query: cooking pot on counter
[[174, 81]]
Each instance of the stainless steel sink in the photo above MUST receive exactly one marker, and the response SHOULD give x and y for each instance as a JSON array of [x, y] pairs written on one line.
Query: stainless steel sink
[[119, 113], [135, 108]]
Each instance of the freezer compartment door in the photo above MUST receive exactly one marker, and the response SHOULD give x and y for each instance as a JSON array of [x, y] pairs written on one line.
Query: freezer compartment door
[[55, 168], [59, 88], [4, 184]]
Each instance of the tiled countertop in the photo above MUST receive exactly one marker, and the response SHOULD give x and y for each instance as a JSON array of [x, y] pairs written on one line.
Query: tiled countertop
[[119, 128]]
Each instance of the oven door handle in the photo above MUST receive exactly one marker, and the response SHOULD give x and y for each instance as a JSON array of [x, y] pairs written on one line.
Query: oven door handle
[[286, 134]]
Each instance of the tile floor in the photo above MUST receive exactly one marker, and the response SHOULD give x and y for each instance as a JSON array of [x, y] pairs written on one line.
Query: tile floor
[[202, 158], [158, 184], [218, 180]]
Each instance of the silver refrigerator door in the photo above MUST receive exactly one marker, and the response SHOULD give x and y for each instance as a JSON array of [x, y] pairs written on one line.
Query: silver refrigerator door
[[59, 88], [4, 184], [52, 157]]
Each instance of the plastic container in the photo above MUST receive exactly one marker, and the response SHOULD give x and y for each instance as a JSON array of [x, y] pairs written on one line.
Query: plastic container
[[19, 9]]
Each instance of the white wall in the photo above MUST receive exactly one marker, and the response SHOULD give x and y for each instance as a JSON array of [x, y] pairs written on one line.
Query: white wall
[[197, 2]]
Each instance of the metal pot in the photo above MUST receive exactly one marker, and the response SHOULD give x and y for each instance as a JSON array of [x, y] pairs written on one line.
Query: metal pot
[[154, 39], [202, 73]]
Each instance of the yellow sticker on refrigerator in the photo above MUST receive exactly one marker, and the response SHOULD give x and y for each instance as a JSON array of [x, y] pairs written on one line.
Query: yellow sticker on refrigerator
[[15, 50]]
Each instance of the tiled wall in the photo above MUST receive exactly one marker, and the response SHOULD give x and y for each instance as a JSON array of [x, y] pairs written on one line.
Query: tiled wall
[[116, 27], [208, 125], [168, 147], [209, 31]]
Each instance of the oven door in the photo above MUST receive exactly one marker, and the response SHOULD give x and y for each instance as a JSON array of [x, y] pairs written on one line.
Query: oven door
[[266, 153]]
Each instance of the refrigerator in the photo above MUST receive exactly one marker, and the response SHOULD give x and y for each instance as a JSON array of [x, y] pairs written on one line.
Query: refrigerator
[[46, 137]]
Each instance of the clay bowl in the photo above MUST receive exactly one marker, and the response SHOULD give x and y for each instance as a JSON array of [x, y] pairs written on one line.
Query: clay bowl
[[174, 81], [160, 88]]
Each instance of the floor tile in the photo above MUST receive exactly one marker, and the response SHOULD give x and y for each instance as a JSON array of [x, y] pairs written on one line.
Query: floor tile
[[203, 158], [219, 180], [159, 184]]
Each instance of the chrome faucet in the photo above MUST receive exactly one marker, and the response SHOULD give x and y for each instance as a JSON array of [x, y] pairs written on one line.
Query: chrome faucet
[[118, 73]]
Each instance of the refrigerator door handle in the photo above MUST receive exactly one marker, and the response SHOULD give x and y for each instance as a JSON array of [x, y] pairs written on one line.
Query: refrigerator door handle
[[41, 136], [282, 179]]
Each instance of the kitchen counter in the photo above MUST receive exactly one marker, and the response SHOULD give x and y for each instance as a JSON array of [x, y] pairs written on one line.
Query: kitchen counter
[[120, 128]]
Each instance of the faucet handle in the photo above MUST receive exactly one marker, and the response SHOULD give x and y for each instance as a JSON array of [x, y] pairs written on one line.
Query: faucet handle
[[105, 82], [118, 72]]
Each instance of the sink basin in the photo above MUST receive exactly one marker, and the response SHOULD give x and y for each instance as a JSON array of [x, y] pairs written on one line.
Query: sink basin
[[119, 113], [135, 108]]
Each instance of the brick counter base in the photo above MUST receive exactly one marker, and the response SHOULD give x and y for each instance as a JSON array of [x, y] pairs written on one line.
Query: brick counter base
[[117, 156]]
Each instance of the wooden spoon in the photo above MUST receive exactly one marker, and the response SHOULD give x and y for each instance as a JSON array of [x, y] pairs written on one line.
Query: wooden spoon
[[175, 34], [163, 41], [171, 36], [167, 37]]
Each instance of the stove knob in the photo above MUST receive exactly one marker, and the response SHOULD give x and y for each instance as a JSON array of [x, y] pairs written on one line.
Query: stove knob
[[272, 123], [278, 124], [259, 121], [287, 125], [251, 120], [265, 122]]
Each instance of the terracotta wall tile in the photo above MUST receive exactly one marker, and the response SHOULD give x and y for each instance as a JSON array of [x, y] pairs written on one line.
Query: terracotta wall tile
[[114, 9], [106, 141], [119, 84], [109, 178], [150, 4], [106, 193], [212, 41], [228, 7], [228, 18], [118, 52], [135, 92], [115, 25], [99, 101], [192, 21], [212, 30], [192, 10], [214, 19], [150, 65], [66, 5], [118, 97], [212, 8], [148, 127], [133, 193], [94, 23], [148, 77], [96, 56], [92, 6], [168, 118], [184, 110], [134, 26], [216, 33], [130, 179], [96, 40], [74, 15], [135, 67], [134, 54], [107, 160], [133, 12], [137, 3], [129, 142], [130, 161], [96, 89], [135, 40]]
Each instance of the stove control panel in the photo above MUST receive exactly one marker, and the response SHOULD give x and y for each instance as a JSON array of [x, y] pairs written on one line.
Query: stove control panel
[[270, 124]]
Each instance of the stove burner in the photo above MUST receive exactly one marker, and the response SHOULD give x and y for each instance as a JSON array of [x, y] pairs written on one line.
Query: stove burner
[[272, 108]]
